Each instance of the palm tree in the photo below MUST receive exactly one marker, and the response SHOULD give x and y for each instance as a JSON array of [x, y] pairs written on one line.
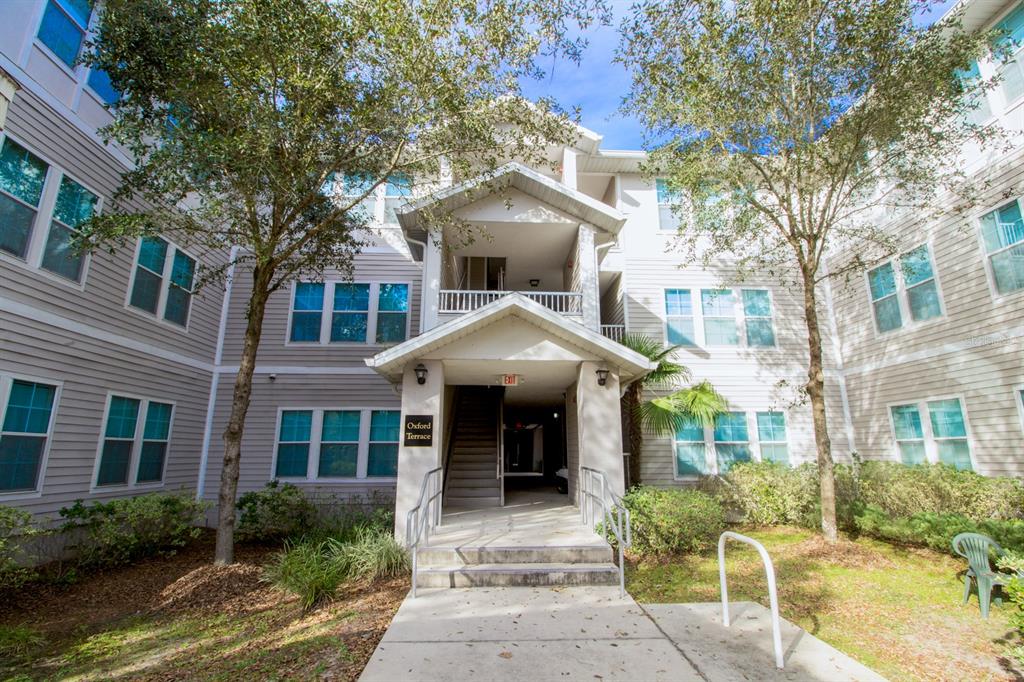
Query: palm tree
[[663, 415]]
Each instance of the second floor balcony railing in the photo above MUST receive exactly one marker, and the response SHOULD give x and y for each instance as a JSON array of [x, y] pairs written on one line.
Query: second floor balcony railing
[[462, 301]]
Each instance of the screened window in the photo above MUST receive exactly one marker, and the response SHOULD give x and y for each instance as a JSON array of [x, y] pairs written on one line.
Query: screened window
[[679, 317], [950, 433], [75, 204], [307, 312], [732, 442], [163, 280], [392, 313], [942, 438], [719, 309], [919, 281], [667, 220], [118, 441], [24, 433], [771, 434], [906, 422], [691, 453], [22, 176], [396, 192], [359, 312], [351, 316], [293, 443], [1003, 234], [339, 444], [886, 304], [382, 459], [63, 27], [757, 318]]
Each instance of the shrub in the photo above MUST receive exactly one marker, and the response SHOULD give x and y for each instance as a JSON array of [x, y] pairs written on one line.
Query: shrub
[[276, 512], [306, 569], [936, 531], [770, 494], [667, 521], [15, 526], [371, 554], [129, 528], [18, 642]]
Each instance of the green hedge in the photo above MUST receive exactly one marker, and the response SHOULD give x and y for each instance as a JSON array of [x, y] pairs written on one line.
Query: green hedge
[[274, 513], [668, 521], [15, 527]]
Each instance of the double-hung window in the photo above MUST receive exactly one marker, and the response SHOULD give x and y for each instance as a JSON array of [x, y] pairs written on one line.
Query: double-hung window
[[1002, 231], [679, 317], [981, 111], [941, 436], [163, 280], [358, 312], [919, 283], [75, 204], [1011, 71], [882, 281], [22, 176], [99, 83], [355, 185], [691, 452], [719, 310], [397, 191], [732, 442], [323, 444], [135, 438], [667, 219], [24, 432], [757, 318], [64, 26], [907, 292], [771, 436]]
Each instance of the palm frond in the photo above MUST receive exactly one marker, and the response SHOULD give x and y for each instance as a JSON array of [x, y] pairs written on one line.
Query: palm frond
[[668, 372], [663, 415]]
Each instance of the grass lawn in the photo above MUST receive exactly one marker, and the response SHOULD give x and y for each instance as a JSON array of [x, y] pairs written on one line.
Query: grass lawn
[[896, 610], [182, 618]]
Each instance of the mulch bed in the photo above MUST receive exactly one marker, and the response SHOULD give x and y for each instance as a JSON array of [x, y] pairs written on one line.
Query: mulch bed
[[188, 586]]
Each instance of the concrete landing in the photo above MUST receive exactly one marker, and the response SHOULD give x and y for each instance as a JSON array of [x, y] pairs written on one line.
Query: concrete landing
[[744, 650]]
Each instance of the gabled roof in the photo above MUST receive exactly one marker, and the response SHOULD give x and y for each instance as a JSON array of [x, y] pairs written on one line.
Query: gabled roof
[[630, 364], [540, 187]]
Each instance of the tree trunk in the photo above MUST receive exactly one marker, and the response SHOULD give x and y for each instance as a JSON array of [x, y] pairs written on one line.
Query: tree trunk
[[636, 435], [816, 391], [225, 551]]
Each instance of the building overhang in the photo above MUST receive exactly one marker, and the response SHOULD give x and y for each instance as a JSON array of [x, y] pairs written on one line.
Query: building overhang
[[630, 365], [414, 216]]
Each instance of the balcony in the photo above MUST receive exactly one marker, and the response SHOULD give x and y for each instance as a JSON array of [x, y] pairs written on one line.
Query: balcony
[[459, 301], [615, 332]]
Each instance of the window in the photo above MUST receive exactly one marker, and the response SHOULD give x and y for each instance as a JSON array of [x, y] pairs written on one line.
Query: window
[[22, 176], [941, 438], [396, 192], [719, 309], [359, 312], [315, 443], [383, 452], [757, 318], [667, 220], [771, 435], [163, 281], [909, 294], [1003, 233], [100, 83], [75, 204], [63, 27], [679, 317], [125, 446], [982, 111], [354, 186], [732, 444], [26, 426], [691, 454], [1011, 71]]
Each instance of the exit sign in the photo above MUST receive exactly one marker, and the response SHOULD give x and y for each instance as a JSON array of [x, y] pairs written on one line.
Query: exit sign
[[509, 379]]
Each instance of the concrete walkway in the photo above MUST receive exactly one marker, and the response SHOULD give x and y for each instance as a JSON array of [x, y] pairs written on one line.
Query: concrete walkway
[[588, 633]]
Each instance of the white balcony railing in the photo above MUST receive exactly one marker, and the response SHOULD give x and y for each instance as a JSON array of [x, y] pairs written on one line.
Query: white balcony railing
[[615, 332], [459, 301]]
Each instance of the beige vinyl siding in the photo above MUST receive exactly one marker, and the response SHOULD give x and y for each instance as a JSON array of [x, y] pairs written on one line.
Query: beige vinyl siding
[[102, 302], [612, 309], [89, 370], [376, 266], [294, 391]]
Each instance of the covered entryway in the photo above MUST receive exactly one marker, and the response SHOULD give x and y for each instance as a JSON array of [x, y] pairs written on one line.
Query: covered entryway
[[525, 364]]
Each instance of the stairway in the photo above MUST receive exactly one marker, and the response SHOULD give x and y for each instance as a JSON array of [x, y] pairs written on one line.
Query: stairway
[[471, 480], [516, 566]]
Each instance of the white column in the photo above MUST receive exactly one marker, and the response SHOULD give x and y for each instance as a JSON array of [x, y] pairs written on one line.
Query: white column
[[569, 167], [431, 293], [415, 462], [599, 422], [586, 261]]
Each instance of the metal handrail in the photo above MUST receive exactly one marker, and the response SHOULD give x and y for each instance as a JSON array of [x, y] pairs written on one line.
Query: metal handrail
[[425, 515], [619, 522], [773, 597]]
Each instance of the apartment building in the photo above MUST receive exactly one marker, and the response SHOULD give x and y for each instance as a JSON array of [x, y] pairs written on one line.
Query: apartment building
[[495, 362]]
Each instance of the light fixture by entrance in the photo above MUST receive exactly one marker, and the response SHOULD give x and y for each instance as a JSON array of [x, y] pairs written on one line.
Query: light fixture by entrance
[[421, 374], [602, 377]]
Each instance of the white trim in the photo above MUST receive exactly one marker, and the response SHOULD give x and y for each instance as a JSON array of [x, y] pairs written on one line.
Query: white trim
[[990, 277], [165, 285], [6, 381], [135, 457], [739, 315], [902, 292], [315, 436], [1018, 398], [327, 312], [930, 442]]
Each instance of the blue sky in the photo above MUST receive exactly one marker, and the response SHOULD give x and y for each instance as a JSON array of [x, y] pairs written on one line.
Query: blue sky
[[597, 86]]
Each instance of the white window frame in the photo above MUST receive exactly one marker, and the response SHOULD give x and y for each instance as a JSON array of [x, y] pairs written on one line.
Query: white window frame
[[327, 310], [993, 290], [33, 259], [742, 314], [758, 455], [902, 296], [1018, 399], [315, 436], [931, 450], [140, 429], [78, 70], [711, 452], [693, 316], [661, 229], [6, 380], [165, 284], [697, 303]]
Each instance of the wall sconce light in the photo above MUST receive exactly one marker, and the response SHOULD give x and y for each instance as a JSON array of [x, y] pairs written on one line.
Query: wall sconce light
[[602, 377], [421, 374], [271, 377], [534, 283]]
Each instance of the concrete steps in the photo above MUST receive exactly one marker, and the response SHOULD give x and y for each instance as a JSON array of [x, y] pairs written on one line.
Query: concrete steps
[[517, 575], [467, 556]]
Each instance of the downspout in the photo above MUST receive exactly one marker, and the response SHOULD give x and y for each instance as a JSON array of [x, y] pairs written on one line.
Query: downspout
[[215, 379]]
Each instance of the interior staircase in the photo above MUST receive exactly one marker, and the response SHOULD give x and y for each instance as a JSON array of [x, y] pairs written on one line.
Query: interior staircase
[[471, 480]]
